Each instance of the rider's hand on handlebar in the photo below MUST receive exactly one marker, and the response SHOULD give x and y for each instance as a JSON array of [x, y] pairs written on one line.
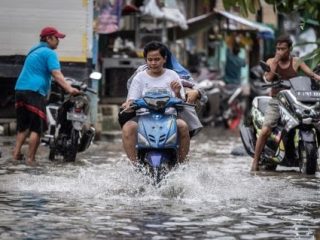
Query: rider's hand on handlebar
[[127, 106], [73, 91], [176, 87]]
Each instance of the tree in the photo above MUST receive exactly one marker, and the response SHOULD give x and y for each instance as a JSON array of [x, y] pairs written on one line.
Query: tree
[[308, 9]]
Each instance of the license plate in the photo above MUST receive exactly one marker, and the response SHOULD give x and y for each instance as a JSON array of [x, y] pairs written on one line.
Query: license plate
[[312, 94], [76, 117], [308, 96]]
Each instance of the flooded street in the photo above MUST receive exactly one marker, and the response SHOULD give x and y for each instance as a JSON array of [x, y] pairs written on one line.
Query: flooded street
[[100, 196]]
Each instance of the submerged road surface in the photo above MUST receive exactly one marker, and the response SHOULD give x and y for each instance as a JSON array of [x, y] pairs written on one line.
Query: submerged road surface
[[100, 196]]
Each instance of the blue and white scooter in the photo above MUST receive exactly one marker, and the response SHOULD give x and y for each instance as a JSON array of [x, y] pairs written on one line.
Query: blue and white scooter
[[157, 135]]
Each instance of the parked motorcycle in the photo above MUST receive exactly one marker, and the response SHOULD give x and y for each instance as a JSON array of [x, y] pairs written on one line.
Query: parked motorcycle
[[232, 107], [67, 116], [226, 104], [295, 141], [210, 110], [157, 136], [256, 81]]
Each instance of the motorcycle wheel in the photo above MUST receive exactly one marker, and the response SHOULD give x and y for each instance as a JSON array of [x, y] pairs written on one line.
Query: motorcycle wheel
[[71, 153], [270, 167], [52, 154], [206, 116], [309, 155]]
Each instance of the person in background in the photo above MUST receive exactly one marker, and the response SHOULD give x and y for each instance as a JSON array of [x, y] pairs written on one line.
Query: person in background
[[32, 87], [287, 66], [233, 66]]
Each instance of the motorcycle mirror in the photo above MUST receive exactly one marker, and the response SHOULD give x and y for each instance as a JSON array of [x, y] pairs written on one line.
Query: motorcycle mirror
[[265, 66], [95, 75]]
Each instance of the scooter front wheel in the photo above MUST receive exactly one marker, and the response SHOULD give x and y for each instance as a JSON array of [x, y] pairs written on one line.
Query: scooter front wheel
[[309, 159]]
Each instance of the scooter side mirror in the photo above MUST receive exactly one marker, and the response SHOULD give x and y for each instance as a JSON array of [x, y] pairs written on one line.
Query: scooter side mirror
[[95, 75], [265, 66]]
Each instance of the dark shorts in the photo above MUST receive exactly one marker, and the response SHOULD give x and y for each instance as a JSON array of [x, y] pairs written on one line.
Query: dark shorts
[[125, 117], [31, 111]]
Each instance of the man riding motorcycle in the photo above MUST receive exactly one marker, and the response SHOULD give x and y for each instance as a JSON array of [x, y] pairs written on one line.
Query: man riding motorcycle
[[285, 66]]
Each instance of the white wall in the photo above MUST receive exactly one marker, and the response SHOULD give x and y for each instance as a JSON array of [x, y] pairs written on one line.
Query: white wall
[[22, 20]]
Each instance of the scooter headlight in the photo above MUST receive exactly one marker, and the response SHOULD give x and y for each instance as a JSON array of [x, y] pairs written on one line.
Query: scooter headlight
[[142, 140], [156, 103]]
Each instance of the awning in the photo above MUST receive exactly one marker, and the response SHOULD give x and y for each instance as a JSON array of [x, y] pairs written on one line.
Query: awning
[[235, 23], [195, 25], [240, 23]]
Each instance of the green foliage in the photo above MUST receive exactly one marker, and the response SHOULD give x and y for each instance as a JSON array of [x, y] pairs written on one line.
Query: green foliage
[[313, 58], [245, 6], [308, 9]]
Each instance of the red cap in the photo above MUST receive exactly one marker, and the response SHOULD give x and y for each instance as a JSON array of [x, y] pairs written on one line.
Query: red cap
[[51, 31]]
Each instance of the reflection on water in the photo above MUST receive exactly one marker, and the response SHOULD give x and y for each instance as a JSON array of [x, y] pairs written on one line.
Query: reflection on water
[[213, 196]]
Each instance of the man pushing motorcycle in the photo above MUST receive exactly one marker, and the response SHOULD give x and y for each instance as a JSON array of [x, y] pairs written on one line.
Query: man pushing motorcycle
[[286, 66], [32, 87]]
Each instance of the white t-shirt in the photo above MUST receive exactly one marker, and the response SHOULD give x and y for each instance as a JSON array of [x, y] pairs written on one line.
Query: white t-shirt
[[143, 82]]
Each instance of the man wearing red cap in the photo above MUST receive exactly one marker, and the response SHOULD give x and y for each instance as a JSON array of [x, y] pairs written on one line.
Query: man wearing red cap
[[32, 87]]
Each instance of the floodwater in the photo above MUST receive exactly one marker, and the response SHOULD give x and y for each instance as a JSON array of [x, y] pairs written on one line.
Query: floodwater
[[100, 196]]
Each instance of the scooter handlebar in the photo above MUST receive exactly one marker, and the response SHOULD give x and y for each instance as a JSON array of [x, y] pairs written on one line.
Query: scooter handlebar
[[91, 90], [188, 104], [277, 84], [131, 107], [84, 88]]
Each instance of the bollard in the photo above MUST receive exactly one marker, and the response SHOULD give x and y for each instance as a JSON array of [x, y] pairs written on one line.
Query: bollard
[[95, 77]]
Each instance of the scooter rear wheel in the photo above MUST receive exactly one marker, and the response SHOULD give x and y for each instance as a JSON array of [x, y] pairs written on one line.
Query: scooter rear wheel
[[52, 154], [71, 153]]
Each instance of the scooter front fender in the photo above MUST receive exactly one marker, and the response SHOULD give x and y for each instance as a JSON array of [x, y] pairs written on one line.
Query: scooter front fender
[[308, 135]]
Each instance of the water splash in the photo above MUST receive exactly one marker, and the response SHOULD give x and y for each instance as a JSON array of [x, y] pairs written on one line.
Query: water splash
[[194, 182]]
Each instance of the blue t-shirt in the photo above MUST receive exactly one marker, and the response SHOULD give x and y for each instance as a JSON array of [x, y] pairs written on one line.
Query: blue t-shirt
[[36, 72]]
